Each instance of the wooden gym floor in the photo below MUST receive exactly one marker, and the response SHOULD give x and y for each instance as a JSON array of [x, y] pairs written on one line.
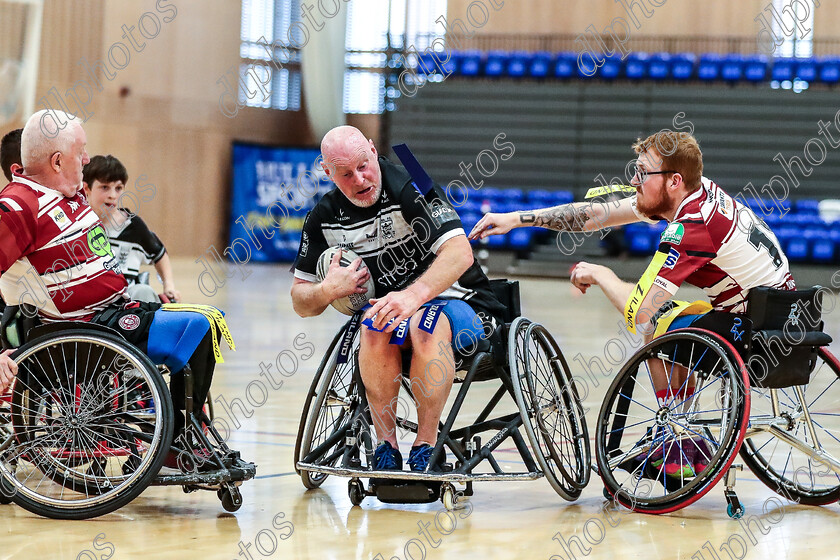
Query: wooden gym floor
[[505, 520]]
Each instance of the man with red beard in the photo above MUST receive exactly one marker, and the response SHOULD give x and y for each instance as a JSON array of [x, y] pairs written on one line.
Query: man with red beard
[[712, 241]]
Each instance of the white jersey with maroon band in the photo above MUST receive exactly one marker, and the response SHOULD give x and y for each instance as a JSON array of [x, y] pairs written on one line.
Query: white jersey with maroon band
[[718, 244], [54, 253]]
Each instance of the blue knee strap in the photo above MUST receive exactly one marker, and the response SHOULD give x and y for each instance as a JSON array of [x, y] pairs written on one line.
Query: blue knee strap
[[174, 336]]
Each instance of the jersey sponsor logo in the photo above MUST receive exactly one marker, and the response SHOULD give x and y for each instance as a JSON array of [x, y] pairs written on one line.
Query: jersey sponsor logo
[[60, 218], [671, 259], [371, 236], [129, 322], [98, 242], [73, 206], [304, 244], [673, 234], [387, 226], [342, 217], [441, 210], [725, 205]]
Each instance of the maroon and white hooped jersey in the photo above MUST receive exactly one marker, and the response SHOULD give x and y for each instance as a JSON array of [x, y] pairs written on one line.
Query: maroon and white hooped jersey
[[55, 254], [718, 244]]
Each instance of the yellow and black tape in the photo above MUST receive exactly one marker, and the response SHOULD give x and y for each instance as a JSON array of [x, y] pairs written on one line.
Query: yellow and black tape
[[216, 320]]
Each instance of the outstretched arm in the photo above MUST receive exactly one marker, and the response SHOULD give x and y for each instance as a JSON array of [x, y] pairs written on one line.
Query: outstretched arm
[[577, 216]]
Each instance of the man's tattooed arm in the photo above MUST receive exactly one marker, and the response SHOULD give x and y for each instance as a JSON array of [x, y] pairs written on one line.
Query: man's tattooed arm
[[559, 218]]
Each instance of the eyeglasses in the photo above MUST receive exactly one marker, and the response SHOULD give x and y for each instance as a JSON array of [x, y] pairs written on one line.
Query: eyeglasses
[[642, 174]]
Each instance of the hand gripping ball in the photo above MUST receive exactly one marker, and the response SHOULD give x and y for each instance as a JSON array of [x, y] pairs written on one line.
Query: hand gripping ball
[[354, 302]]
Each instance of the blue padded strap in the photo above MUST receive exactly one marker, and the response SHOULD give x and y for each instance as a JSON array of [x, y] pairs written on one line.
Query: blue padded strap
[[174, 336]]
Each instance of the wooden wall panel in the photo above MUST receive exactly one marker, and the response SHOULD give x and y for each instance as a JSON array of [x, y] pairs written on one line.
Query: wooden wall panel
[[673, 17]]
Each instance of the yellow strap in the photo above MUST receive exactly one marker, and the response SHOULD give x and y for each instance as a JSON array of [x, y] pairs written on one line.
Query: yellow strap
[[698, 307], [607, 189], [214, 317], [641, 289]]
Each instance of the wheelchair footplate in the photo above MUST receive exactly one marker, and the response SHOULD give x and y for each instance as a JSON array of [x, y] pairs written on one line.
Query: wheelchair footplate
[[234, 470], [395, 491]]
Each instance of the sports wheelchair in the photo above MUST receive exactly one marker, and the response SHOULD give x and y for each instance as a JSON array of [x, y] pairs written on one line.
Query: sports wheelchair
[[88, 424], [765, 385], [335, 435]]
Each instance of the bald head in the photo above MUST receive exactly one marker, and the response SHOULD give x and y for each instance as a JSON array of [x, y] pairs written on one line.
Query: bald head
[[343, 143], [350, 161]]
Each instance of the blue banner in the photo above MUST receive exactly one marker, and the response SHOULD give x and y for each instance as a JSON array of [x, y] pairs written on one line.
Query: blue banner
[[273, 189]]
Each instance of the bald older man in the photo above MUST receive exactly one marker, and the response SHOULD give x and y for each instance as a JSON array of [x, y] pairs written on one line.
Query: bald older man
[[416, 251], [55, 255]]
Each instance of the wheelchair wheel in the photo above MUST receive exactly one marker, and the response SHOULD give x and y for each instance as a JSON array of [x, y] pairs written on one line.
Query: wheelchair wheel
[[636, 434], [84, 442], [784, 468], [555, 423], [328, 406]]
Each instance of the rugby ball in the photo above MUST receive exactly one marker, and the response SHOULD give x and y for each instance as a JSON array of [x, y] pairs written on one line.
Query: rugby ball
[[354, 302]]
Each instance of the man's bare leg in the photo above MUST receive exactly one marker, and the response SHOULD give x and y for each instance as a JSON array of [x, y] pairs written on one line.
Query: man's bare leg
[[432, 373], [379, 365]]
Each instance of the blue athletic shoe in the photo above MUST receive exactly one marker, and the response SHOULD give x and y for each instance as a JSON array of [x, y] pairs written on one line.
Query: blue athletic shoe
[[386, 458], [419, 457]]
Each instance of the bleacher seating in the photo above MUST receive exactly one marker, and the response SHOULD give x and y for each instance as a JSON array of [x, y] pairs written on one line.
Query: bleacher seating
[[802, 233], [709, 67]]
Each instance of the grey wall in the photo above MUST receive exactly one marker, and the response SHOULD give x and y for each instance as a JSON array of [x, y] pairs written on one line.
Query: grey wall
[[567, 133]]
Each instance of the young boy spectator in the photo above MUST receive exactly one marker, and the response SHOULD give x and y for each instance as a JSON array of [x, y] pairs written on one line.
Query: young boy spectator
[[133, 243], [10, 153]]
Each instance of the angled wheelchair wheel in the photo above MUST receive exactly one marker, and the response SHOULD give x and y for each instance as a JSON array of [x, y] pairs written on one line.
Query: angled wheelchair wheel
[[796, 475], [657, 458], [329, 405], [84, 441], [544, 391]]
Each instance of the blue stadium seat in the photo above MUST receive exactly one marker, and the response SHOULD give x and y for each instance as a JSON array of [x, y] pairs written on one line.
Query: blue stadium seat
[[823, 250], [636, 66], [797, 249], [611, 68], [708, 69], [496, 64], [682, 66], [492, 193], [806, 69], [807, 206], [520, 238], [513, 195], [829, 70], [755, 68], [469, 63], [563, 197], [784, 69], [519, 63], [659, 66], [426, 64], [497, 241], [469, 219], [472, 204], [566, 65], [539, 196], [732, 68], [540, 66]]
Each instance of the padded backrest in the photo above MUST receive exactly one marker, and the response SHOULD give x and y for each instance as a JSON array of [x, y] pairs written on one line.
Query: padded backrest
[[770, 308], [507, 292]]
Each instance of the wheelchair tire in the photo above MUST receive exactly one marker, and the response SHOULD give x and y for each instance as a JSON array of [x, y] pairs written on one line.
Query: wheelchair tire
[[782, 467], [80, 399], [633, 428], [328, 406], [547, 397]]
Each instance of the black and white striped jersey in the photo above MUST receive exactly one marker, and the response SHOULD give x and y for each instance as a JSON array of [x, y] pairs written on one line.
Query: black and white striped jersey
[[397, 237]]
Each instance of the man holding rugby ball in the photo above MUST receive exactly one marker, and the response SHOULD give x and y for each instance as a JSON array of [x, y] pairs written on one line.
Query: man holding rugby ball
[[415, 250]]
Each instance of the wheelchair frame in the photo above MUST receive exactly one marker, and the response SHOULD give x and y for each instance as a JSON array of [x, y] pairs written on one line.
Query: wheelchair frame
[[792, 422], [113, 427], [350, 440]]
